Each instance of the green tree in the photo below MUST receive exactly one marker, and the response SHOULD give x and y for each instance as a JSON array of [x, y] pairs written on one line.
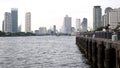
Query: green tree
[[100, 28], [117, 27]]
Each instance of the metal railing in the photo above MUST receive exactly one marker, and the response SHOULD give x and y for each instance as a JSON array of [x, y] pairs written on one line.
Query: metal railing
[[100, 34]]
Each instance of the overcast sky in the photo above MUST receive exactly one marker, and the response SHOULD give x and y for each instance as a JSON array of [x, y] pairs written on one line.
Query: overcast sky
[[46, 13]]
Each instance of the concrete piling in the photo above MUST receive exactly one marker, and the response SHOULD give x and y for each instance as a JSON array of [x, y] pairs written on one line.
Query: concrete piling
[[99, 52], [110, 58], [90, 51], [86, 47], [94, 54]]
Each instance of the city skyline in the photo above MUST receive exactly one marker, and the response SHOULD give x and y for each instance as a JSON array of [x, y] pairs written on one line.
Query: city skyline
[[10, 23], [48, 13]]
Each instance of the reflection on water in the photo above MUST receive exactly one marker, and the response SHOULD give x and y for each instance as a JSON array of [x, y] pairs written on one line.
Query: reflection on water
[[40, 52]]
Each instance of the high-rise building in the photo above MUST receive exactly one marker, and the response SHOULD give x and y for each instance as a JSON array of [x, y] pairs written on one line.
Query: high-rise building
[[67, 25], [14, 18], [7, 22], [114, 18], [78, 25], [3, 25], [104, 20], [72, 29], [19, 28], [84, 25], [106, 16], [54, 29], [28, 22], [97, 15]]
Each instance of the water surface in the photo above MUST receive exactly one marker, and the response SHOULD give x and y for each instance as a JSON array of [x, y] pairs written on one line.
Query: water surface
[[40, 52]]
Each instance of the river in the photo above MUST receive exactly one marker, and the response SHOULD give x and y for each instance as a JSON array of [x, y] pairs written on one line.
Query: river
[[40, 52]]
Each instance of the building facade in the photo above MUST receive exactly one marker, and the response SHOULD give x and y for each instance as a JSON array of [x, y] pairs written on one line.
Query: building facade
[[78, 25], [97, 16], [14, 19], [19, 28], [41, 31], [7, 24], [104, 20], [84, 25], [67, 25], [106, 17], [54, 29], [114, 18], [3, 25], [28, 22]]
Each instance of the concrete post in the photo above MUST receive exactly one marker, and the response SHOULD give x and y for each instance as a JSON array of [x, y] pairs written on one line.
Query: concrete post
[[90, 51], [87, 42], [101, 52], [94, 54], [110, 57]]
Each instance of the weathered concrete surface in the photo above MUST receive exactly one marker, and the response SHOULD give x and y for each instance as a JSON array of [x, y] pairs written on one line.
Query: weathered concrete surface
[[101, 53]]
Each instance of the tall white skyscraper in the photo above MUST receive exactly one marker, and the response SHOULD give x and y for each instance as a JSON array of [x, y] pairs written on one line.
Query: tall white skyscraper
[[7, 22], [67, 25], [28, 22], [97, 16], [78, 25]]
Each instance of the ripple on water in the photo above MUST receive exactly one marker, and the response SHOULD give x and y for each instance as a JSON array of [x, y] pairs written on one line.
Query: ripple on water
[[40, 52]]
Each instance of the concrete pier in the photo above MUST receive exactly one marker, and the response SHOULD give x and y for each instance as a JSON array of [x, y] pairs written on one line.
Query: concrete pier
[[100, 52]]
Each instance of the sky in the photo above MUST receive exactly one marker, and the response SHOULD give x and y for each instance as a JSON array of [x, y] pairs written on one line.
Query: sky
[[46, 13]]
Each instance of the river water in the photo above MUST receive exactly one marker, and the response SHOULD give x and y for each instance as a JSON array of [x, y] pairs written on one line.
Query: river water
[[40, 52]]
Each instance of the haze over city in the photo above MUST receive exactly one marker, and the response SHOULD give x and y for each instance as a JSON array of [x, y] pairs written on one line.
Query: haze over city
[[47, 13]]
